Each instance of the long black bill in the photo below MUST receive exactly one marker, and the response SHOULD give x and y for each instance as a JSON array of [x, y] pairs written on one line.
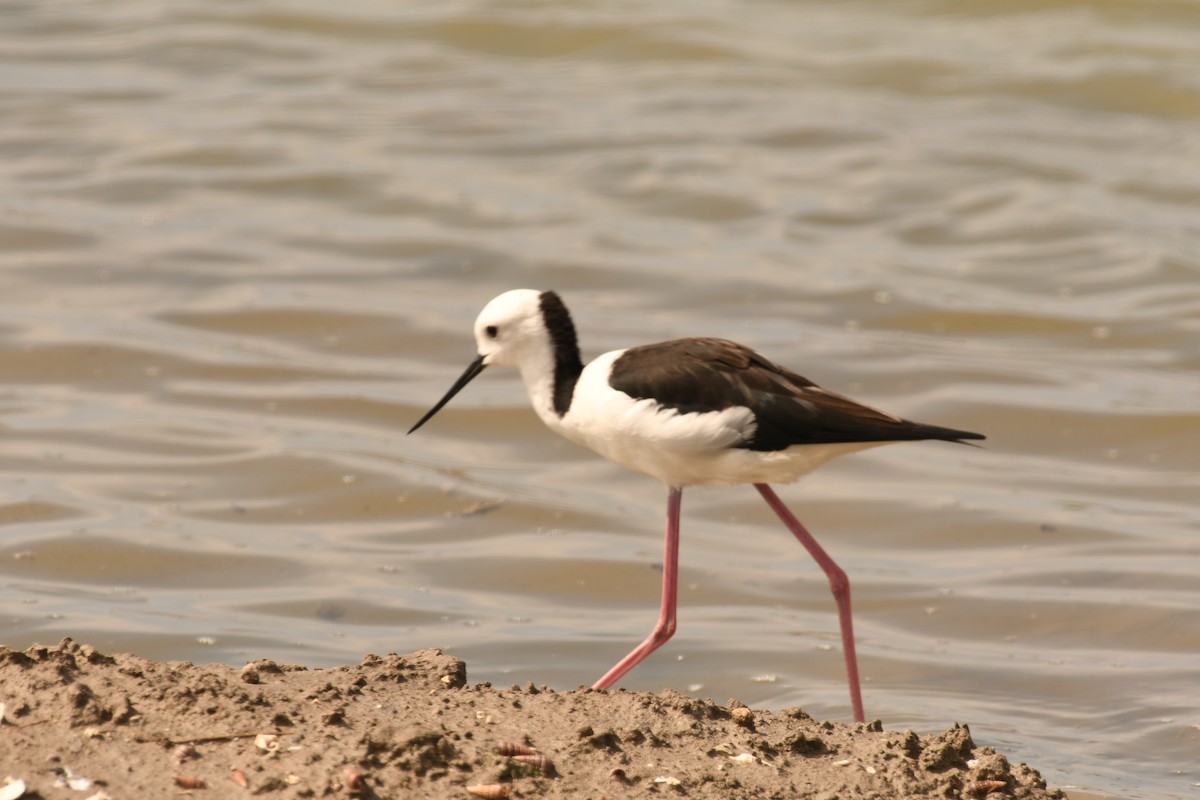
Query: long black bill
[[477, 366]]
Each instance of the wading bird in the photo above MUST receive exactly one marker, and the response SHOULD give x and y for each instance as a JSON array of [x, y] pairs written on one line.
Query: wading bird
[[688, 412]]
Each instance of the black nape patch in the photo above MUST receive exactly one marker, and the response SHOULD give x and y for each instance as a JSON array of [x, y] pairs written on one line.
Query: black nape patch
[[567, 363]]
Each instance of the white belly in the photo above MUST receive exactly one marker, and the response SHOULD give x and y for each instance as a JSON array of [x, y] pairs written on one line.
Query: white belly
[[679, 449]]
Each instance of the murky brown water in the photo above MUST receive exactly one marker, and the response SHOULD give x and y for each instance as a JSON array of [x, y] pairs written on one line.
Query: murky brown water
[[242, 245]]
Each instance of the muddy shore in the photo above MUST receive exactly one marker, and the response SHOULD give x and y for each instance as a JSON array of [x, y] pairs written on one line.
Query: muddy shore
[[78, 723]]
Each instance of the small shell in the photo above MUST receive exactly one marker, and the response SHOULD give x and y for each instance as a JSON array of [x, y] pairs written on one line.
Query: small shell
[[617, 774], [514, 749], [983, 788], [183, 752], [267, 741], [188, 782], [540, 761], [490, 791], [353, 780], [239, 777]]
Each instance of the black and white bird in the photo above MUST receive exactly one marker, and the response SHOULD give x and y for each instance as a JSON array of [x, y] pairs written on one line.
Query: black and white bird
[[688, 412]]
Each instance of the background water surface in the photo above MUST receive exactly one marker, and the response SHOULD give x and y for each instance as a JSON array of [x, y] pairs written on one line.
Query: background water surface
[[242, 245]]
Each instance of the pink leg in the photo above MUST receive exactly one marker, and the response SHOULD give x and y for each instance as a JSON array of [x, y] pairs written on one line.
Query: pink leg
[[665, 628], [838, 582]]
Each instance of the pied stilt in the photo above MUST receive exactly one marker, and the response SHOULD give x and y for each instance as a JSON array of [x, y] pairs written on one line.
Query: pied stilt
[[687, 412]]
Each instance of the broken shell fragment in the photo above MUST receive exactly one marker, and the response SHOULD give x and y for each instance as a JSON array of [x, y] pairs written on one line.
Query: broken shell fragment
[[188, 782], [65, 777], [12, 789], [239, 777], [490, 791]]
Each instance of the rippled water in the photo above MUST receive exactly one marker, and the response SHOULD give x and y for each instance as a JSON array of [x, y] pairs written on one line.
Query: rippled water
[[242, 246]]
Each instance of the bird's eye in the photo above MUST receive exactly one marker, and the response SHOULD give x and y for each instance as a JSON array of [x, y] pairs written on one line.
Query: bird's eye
[[492, 331]]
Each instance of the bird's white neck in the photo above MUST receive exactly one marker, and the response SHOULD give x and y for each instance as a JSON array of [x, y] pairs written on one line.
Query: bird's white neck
[[538, 374]]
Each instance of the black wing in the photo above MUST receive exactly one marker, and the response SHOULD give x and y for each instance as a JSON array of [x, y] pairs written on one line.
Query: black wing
[[700, 375]]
